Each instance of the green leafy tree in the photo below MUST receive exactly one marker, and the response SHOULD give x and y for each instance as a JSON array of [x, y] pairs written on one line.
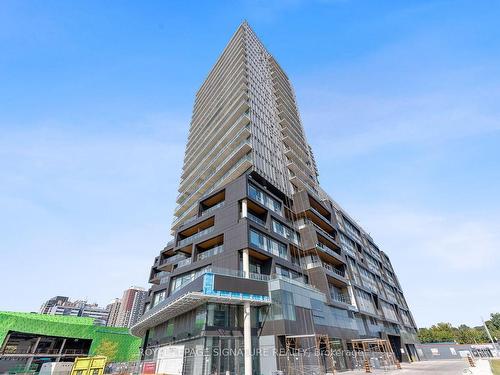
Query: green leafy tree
[[467, 335], [463, 334], [494, 325], [425, 335]]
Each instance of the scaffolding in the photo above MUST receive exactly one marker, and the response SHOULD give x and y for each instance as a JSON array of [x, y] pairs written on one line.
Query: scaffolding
[[309, 354], [373, 353]]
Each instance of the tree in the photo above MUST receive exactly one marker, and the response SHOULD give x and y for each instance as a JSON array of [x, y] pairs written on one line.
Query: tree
[[467, 335], [494, 322], [494, 325], [441, 332], [445, 332], [425, 335]]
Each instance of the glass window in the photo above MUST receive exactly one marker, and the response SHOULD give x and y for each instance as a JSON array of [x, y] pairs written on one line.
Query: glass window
[[264, 199], [268, 244], [364, 301], [286, 232]]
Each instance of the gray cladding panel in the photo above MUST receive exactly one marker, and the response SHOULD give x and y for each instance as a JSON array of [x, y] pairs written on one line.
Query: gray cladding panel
[[240, 285]]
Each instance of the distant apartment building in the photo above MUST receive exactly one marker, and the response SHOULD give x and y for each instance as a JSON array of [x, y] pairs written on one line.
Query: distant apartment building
[[113, 308], [131, 306], [54, 301], [62, 306]]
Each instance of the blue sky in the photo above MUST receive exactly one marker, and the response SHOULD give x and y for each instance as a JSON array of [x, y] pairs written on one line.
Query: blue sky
[[400, 101]]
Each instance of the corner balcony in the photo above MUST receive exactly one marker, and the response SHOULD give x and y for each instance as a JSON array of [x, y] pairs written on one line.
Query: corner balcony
[[211, 178], [189, 235]]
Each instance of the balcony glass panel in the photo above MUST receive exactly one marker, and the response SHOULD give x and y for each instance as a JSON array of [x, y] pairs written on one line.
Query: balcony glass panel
[[211, 252], [195, 236]]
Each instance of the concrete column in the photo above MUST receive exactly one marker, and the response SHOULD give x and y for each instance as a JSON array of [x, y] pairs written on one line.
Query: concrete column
[[246, 263], [247, 322], [244, 208], [61, 351], [33, 351], [247, 338]]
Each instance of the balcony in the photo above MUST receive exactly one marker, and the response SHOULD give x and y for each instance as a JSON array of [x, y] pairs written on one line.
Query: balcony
[[340, 297], [173, 259], [256, 219], [194, 237], [328, 268], [184, 263], [214, 177], [211, 252], [210, 163], [243, 164], [322, 247], [212, 209], [236, 132], [321, 232], [159, 277]]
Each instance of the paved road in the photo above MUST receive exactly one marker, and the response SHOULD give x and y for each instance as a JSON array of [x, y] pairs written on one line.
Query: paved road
[[452, 367]]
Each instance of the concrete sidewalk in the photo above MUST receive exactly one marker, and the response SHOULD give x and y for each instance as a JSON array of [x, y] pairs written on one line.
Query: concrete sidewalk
[[450, 367]]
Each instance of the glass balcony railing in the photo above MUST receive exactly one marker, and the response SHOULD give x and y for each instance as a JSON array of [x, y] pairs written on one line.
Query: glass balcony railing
[[340, 297], [245, 158], [189, 239], [172, 259], [211, 252], [327, 250], [212, 209], [238, 273], [319, 214], [201, 184], [327, 267], [184, 262], [256, 219]]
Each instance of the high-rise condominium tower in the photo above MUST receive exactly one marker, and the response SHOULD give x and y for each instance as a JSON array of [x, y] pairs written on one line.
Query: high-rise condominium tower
[[130, 307], [263, 260]]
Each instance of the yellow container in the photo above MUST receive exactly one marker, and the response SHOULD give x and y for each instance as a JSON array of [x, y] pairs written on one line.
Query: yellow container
[[89, 366]]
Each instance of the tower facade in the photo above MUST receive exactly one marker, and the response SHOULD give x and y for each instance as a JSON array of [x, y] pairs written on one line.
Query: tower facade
[[263, 261], [130, 307]]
